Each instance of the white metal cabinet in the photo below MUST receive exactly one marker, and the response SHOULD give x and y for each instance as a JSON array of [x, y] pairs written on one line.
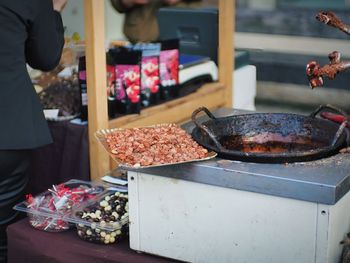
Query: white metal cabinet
[[203, 223]]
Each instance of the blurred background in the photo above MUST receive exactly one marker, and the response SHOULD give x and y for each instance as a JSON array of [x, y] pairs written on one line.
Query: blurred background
[[281, 37]]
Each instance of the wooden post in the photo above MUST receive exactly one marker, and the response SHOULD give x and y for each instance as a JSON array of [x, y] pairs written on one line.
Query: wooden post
[[226, 47], [215, 95], [96, 83]]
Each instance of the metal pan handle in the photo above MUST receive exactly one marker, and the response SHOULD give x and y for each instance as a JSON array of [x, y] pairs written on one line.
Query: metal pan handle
[[337, 110], [205, 128]]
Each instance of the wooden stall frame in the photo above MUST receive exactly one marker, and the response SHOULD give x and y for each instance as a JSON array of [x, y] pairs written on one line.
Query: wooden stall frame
[[213, 95]]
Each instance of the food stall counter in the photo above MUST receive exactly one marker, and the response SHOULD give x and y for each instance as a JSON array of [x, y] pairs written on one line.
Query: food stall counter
[[219, 210]]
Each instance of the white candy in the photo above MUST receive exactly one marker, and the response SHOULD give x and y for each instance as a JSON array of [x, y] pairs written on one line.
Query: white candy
[[103, 203], [115, 214], [89, 232], [107, 198], [112, 240], [103, 234], [116, 225]]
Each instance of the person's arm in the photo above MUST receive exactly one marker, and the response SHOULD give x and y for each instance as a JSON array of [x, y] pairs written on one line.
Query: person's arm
[[45, 38], [58, 5], [123, 6]]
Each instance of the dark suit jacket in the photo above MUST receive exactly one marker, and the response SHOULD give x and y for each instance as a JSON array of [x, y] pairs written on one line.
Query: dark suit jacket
[[30, 32]]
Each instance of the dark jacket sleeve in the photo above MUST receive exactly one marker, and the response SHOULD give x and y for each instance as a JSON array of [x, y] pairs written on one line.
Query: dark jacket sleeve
[[45, 38]]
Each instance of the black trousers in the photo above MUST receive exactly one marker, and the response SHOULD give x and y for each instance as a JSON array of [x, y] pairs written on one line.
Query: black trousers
[[14, 168]]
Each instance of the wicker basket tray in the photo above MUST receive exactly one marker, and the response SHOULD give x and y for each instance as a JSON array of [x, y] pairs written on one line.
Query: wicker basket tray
[[101, 137]]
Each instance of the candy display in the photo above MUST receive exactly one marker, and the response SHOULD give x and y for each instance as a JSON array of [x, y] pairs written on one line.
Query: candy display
[[106, 221], [128, 84], [111, 87], [138, 76], [83, 88], [110, 81], [150, 94], [128, 79], [150, 79], [62, 95], [169, 68], [48, 211]]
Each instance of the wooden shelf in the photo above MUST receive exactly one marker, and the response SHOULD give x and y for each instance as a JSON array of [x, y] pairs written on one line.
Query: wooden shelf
[[212, 95]]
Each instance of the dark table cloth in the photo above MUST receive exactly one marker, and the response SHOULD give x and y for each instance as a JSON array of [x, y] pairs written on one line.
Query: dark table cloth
[[26, 244], [67, 158]]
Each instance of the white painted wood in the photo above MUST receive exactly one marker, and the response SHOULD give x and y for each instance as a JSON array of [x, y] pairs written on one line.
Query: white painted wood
[[291, 44], [202, 223], [267, 90], [244, 88]]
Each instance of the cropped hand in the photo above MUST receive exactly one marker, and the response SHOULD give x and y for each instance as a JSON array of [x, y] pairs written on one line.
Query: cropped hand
[[58, 5]]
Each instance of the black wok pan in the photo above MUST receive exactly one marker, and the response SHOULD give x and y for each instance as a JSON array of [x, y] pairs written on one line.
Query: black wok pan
[[271, 137]]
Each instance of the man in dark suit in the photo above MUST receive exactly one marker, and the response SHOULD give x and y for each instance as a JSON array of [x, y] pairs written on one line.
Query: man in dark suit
[[31, 32]]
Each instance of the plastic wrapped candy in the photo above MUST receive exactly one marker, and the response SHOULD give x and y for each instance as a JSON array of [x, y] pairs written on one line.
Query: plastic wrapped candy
[[47, 211]]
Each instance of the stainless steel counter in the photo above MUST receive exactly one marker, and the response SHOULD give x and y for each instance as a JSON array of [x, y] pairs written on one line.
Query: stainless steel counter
[[322, 181]]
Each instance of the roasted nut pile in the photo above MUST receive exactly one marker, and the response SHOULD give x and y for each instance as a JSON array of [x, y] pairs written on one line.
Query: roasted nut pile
[[154, 146], [106, 221]]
